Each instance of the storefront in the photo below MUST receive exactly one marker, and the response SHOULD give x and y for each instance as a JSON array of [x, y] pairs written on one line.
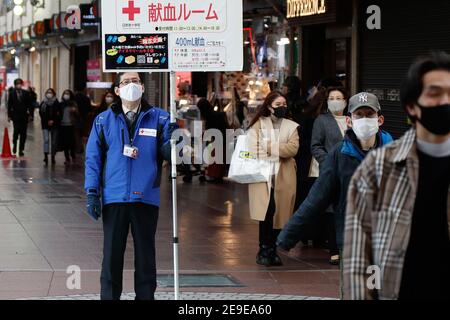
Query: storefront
[[408, 29], [324, 28]]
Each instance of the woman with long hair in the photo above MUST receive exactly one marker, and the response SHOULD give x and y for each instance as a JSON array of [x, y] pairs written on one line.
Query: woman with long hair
[[274, 138]]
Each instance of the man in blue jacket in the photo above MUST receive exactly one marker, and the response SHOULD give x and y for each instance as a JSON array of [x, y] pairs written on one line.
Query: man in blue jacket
[[124, 156], [364, 121]]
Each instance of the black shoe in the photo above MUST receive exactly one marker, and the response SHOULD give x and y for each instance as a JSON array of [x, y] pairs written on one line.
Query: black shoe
[[14, 150], [46, 159], [53, 160], [21, 154], [263, 258], [275, 260]]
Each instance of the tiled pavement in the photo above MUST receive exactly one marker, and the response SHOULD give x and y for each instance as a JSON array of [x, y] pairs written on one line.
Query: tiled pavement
[[192, 296], [44, 229]]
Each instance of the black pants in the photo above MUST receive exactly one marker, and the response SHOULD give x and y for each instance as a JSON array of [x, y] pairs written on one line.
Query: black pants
[[20, 129], [117, 219], [67, 135], [332, 243], [267, 234]]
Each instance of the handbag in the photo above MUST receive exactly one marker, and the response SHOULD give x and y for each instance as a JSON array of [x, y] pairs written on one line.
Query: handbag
[[246, 167]]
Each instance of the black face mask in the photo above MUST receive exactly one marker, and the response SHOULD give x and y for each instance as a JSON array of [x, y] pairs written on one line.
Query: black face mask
[[280, 112], [436, 119]]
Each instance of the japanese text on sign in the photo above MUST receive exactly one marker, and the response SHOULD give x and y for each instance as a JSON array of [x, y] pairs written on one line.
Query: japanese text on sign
[[171, 15]]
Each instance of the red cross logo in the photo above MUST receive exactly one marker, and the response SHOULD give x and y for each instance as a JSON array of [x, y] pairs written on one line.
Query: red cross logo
[[131, 10], [142, 131]]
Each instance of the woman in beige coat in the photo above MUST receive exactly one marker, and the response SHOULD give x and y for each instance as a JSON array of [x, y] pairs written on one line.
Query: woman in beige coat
[[276, 139]]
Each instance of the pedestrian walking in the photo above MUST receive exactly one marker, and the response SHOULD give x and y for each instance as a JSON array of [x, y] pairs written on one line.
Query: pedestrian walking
[[20, 111], [398, 213], [364, 120], [272, 136], [69, 122], [51, 115], [125, 151]]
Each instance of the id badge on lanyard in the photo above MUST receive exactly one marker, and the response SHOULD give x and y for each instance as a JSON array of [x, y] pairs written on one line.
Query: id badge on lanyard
[[130, 151]]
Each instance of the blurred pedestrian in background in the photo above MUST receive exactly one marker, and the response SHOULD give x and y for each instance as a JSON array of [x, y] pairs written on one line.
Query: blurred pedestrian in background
[[69, 123], [20, 111], [51, 114], [214, 120]]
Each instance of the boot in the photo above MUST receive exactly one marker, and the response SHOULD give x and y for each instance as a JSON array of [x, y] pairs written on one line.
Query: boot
[[46, 159], [53, 159], [263, 258], [14, 150], [275, 260]]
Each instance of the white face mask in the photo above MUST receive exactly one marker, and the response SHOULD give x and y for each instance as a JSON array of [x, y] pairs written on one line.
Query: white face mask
[[436, 150], [66, 97], [109, 100], [336, 106], [365, 128], [131, 92], [49, 96]]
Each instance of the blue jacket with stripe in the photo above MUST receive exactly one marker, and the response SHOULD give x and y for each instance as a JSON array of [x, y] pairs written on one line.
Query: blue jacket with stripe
[[120, 179], [329, 189]]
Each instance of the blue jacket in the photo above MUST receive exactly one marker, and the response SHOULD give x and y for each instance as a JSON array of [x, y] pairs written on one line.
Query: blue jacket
[[329, 189], [120, 179]]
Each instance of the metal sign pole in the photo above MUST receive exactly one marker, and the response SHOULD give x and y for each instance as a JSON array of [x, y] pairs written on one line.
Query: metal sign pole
[[173, 113]]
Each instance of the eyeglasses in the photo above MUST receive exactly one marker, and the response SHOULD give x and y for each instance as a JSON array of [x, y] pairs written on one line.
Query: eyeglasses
[[128, 81]]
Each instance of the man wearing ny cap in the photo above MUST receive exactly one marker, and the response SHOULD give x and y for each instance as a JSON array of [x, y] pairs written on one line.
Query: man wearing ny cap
[[364, 134]]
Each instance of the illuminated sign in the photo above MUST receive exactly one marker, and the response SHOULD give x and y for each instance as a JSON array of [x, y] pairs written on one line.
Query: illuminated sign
[[305, 8]]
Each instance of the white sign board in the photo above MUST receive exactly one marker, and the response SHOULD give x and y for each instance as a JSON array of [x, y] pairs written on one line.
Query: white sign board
[[172, 35]]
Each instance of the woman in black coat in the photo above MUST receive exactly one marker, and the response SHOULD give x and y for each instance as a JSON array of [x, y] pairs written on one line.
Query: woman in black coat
[[51, 114]]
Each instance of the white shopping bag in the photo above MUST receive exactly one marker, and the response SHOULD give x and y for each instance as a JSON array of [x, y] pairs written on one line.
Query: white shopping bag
[[245, 167]]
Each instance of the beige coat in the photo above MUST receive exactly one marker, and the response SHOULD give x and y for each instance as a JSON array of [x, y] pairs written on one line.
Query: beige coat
[[285, 180]]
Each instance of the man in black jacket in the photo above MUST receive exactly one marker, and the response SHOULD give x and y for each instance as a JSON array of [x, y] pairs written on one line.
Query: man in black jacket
[[20, 111]]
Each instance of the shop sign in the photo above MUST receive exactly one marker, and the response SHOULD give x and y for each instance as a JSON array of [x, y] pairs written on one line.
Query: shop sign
[[39, 29], [19, 35], [32, 31], [14, 37], [304, 8], [194, 35], [72, 18], [55, 24], [26, 33], [48, 26], [89, 16], [93, 70], [308, 12]]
